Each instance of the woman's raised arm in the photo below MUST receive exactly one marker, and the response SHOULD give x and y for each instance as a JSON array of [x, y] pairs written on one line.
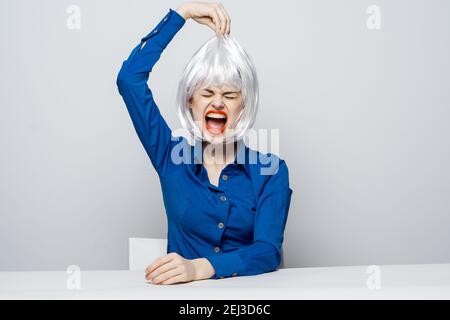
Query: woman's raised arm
[[150, 126]]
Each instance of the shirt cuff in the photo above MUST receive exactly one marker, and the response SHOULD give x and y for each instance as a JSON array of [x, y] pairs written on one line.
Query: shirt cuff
[[226, 265], [166, 29]]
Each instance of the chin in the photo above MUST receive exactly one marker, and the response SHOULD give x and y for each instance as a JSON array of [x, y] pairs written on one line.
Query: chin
[[213, 138]]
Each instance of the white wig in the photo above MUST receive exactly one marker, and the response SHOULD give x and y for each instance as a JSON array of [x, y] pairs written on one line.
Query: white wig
[[220, 61]]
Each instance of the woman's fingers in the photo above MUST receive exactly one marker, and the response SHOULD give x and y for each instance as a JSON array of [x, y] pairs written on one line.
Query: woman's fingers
[[161, 269], [212, 26], [167, 275], [228, 28], [223, 19], [207, 21], [173, 280], [213, 15], [159, 262], [216, 20]]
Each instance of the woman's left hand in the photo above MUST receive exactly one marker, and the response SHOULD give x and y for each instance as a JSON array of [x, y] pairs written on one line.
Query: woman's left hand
[[173, 268]]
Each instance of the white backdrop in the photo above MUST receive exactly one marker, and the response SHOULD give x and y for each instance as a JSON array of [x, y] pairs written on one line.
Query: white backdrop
[[363, 118]]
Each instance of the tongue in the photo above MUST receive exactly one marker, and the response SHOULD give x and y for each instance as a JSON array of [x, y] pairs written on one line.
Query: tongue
[[215, 123]]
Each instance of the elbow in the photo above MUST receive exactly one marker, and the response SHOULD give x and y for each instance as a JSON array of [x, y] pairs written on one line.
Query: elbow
[[125, 77], [273, 256], [270, 258], [276, 260], [122, 78], [124, 82]]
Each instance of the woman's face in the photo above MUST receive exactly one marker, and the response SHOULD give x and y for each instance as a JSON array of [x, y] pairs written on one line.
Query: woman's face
[[215, 109]]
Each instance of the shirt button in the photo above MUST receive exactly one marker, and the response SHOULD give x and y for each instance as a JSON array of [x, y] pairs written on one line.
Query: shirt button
[[220, 225], [216, 249], [234, 274], [225, 177], [223, 198], [155, 31], [165, 19], [221, 277]]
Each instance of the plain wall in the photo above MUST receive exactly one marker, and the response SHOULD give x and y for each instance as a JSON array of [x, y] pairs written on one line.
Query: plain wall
[[363, 118]]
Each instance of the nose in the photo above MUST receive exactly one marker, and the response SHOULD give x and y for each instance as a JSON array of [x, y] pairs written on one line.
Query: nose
[[217, 103]]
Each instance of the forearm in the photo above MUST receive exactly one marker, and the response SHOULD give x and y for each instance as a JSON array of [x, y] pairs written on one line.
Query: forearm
[[256, 258], [145, 55]]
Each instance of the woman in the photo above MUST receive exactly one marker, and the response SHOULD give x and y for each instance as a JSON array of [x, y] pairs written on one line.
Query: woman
[[226, 213]]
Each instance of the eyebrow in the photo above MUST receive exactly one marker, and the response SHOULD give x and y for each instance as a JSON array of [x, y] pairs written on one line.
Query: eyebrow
[[228, 92]]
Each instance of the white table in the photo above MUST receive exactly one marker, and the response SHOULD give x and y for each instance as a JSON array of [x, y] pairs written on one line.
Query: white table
[[427, 281]]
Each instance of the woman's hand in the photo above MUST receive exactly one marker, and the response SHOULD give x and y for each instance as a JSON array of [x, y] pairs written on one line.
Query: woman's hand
[[173, 268], [213, 15]]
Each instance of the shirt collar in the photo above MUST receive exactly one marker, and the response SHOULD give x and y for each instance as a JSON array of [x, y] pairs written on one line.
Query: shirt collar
[[241, 159]]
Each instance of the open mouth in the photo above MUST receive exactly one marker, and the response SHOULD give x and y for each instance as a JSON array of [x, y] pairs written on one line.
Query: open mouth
[[215, 121]]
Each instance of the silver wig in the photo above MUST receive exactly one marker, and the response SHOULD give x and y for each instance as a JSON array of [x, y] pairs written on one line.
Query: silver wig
[[220, 61]]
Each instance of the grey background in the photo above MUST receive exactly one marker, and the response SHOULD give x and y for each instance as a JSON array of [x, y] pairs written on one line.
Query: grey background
[[363, 118]]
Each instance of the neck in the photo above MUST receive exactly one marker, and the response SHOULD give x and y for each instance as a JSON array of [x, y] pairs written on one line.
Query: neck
[[219, 154]]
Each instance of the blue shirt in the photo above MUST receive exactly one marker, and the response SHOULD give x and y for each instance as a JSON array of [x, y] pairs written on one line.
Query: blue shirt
[[239, 224]]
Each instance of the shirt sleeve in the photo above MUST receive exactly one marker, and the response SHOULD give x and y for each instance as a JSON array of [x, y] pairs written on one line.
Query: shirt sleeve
[[264, 254], [151, 128]]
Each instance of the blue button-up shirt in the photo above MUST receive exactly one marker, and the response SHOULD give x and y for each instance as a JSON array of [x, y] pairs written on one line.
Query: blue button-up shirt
[[239, 224]]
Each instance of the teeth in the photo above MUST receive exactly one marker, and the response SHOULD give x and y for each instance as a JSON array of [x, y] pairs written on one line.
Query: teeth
[[216, 116]]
